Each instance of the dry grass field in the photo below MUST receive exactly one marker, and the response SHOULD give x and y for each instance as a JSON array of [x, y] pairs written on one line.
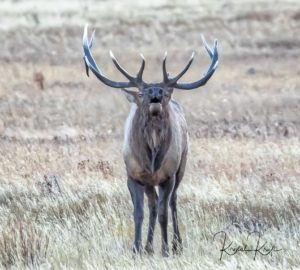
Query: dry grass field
[[64, 202]]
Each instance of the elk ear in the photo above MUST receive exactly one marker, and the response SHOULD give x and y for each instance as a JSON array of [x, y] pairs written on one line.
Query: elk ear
[[131, 95]]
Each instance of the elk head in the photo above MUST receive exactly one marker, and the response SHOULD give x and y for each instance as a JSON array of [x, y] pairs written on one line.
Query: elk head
[[150, 97]]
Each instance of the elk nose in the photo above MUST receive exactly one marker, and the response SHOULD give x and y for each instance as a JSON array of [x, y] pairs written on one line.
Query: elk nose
[[155, 95]]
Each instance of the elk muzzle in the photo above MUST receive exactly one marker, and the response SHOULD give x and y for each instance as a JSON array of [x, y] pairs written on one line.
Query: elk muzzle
[[155, 96], [155, 109]]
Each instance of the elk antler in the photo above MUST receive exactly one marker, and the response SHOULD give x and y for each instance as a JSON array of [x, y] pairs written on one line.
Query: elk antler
[[172, 82], [91, 64]]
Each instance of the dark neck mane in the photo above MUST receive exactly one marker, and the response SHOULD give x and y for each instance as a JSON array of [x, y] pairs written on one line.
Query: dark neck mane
[[150, 139]]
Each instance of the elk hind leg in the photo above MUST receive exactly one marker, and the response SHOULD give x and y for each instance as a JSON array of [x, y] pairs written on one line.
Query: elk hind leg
[[177, 241], [165, 191]]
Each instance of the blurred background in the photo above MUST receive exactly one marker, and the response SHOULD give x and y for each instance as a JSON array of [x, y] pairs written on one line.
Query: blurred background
[[44, 91], [64, 202]]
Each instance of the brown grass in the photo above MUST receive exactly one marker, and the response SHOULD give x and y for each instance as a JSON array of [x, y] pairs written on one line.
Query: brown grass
[[63, 196]]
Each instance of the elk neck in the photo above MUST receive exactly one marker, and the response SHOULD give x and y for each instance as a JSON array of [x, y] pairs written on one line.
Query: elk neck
[[151, 138]]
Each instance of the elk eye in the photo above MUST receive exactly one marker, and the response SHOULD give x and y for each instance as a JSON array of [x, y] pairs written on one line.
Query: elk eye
[[140, 95]]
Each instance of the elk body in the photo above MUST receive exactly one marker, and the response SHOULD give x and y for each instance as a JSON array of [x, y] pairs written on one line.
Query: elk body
[[155, 143]]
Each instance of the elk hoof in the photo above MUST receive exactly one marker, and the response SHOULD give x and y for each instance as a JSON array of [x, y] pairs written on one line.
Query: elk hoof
[[165, 253], [137, 251], [177, 247], [149, 249]]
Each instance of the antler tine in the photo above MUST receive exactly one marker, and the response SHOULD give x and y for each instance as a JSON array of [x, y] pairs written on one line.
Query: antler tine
[[214, 55], [89, 44], [92, 39], [175, 79], [206, 46], [120, 68], [165, 73], [141, 71]]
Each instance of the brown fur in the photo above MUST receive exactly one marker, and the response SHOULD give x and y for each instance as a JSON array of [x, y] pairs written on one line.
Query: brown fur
[[149, 163], [145, 150]]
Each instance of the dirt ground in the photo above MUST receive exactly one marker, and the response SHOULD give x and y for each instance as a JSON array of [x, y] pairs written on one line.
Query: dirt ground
[[63, 196]]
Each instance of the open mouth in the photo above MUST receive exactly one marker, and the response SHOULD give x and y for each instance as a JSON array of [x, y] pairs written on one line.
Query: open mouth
[[155, 100]]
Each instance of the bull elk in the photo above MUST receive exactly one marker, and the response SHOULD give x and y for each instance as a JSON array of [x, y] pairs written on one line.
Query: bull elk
[[155, 142]]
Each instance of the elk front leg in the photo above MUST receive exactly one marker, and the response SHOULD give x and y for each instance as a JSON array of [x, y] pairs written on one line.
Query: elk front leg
[[152, 203], [165, 190], [137, 196]]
